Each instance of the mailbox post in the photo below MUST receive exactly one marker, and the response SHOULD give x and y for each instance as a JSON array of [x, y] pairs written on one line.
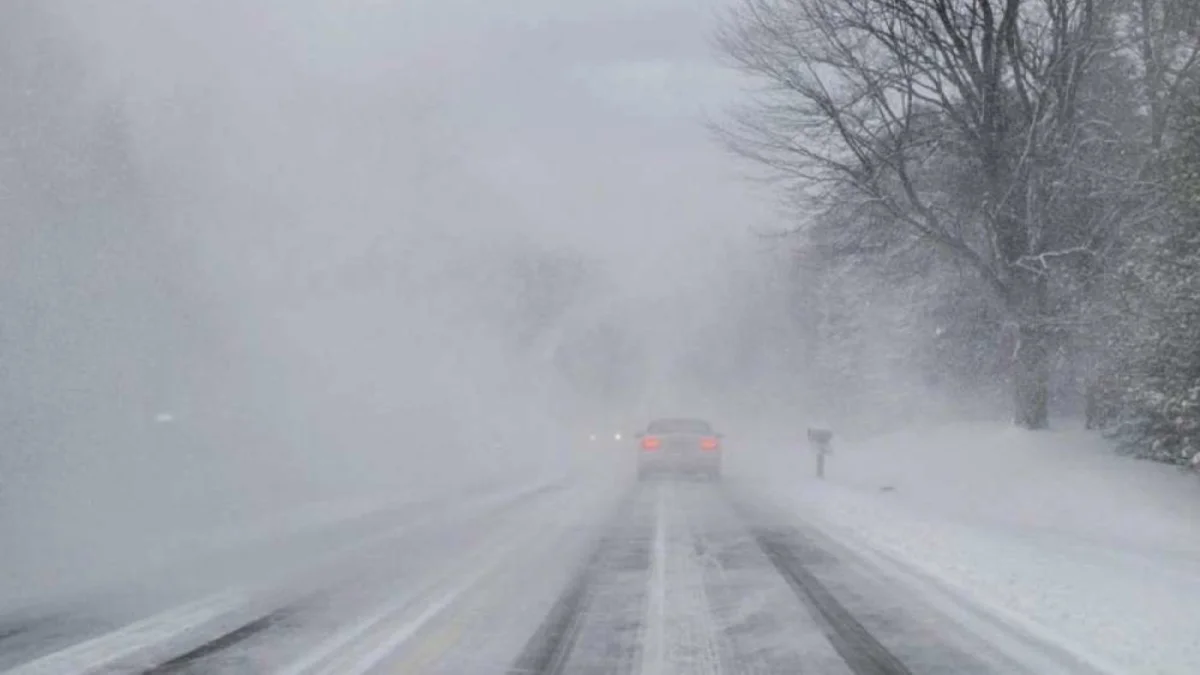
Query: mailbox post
[[821, 442]]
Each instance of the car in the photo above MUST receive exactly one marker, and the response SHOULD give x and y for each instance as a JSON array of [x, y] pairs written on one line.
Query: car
[[679, 446]]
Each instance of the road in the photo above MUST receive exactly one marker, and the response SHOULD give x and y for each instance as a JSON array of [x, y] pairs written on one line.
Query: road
[[665, 577]]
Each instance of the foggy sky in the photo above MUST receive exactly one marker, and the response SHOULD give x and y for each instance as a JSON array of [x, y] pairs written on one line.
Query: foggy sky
[[588, 117], [310, 276]]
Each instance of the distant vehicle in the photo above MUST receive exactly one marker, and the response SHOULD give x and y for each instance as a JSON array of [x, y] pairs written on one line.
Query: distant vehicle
[[615, 436], [679, 446]]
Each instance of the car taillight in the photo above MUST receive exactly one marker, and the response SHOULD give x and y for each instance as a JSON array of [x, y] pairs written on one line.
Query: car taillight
[[709, 443], [651, 443]]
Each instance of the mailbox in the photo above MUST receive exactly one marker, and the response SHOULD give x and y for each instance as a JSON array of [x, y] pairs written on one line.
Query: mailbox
[[820, 436]]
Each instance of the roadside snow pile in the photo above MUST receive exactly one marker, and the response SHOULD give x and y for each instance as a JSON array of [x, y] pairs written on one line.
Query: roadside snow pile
[[1053, 482], [1096, 552]]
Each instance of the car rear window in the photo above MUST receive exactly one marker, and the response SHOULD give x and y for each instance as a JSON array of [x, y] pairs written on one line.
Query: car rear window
[[679, 427]]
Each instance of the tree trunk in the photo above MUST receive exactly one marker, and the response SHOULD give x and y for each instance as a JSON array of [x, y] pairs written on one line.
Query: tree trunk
[[1031, 363], [1031, 377], [1091, 408]]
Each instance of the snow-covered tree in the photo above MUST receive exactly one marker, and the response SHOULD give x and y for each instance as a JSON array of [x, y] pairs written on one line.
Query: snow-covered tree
[[990, 145], [1150, 393]]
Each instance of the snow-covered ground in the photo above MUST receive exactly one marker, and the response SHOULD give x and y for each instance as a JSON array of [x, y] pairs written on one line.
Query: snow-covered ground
[[1050, 531]]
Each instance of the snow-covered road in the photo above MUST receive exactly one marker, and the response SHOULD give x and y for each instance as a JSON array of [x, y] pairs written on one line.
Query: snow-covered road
[[697, 578], [1052, 532], [657, 578]]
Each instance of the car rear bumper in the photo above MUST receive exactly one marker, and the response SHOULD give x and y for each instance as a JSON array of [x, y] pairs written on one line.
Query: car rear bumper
[[706, 463]]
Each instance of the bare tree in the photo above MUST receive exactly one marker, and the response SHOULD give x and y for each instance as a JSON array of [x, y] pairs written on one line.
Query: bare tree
[[969, 125], [1165, 37]]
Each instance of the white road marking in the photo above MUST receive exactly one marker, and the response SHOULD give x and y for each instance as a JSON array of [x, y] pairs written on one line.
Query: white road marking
[[194, 623], [113, 649], [318, 661], [343, 638], [653, 660], [365, 645]]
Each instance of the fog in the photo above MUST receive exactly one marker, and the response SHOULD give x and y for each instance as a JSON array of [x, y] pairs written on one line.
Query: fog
[[264, 254], [329, 332]]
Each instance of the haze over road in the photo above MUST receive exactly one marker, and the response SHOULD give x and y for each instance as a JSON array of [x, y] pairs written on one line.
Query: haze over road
[[331, 336]]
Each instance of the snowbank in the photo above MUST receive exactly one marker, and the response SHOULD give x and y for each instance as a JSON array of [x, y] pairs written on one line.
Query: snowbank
[[1054, 482], [1097, 552]]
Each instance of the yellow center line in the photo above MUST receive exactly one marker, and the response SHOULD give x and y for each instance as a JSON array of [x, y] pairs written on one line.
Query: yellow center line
[[431, 649], [432, 645], [435, 644]]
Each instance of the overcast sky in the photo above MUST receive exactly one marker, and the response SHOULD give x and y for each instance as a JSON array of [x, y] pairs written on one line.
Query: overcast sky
[[587, 118], [348, 174]]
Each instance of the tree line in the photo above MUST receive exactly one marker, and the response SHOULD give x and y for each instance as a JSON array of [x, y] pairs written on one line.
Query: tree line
[[1027, 170]]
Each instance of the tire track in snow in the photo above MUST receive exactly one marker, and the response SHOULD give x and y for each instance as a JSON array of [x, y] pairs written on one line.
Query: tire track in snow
[[595, 626], [372, 642], [181, 664], [639, 605], [862, 652], [226, 619], [550, 647], [881, 622], [690, 580], [762, 628]]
